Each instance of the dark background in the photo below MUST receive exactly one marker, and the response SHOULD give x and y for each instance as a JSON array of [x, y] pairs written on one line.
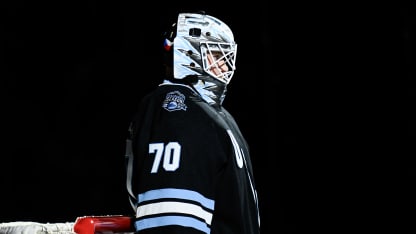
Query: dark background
[[322, 93]]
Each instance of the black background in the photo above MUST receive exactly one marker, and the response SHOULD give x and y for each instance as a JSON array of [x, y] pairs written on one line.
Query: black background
[[318, 93]]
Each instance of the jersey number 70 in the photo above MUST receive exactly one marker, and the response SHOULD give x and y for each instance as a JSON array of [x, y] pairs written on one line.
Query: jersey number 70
[[169, 153]]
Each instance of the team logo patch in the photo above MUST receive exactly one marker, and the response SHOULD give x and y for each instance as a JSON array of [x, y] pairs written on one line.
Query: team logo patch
[[174, 101]]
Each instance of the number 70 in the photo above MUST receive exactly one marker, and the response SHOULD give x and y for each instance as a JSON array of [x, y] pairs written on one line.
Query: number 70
[[171, 153]]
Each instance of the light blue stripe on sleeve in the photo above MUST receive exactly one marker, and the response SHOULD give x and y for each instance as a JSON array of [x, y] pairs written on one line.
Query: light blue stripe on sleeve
[[171, 220], [177, 193]]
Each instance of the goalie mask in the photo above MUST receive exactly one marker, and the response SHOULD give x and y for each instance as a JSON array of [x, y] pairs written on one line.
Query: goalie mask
[[202, 46]]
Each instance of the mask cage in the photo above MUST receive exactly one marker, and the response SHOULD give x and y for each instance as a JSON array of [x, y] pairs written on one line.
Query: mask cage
[[223, 54]]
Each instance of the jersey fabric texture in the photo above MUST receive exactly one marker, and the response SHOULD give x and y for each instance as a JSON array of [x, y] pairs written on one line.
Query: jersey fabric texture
[[191, 169]]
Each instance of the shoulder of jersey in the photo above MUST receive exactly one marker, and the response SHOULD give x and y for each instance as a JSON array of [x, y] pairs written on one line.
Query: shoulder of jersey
[[175, 99]]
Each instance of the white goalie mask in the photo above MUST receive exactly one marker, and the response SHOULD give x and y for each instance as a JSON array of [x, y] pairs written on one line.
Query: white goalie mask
[[203, 46]]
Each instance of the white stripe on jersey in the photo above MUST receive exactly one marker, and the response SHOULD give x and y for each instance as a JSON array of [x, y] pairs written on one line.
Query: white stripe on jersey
[[179, 207], [174, 207]]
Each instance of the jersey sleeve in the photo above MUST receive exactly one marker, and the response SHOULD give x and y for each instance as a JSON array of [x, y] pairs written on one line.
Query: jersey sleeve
[[177, 159]]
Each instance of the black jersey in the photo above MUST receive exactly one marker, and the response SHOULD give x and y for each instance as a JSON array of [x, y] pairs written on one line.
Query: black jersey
[[191, 170]]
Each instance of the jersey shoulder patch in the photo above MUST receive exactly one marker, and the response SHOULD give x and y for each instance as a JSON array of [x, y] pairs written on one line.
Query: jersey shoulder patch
[[174, 101]]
